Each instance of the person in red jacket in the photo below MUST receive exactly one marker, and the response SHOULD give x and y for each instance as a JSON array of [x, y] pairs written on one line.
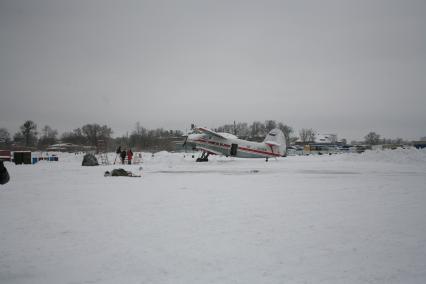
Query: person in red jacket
[[129, 156]]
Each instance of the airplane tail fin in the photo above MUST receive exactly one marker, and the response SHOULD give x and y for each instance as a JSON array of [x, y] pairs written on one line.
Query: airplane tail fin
[[276, 140]]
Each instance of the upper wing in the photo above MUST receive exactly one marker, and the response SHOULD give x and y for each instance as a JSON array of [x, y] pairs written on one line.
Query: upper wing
[[210, 132]]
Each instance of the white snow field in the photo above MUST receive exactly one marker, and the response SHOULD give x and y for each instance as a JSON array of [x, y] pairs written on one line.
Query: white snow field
[[350, 218]]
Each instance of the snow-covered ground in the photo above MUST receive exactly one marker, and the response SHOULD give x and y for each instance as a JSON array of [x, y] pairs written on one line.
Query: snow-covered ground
[[351, 218]]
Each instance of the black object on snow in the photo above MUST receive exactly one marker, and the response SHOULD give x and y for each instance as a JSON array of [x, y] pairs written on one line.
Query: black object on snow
[[120, 172], [90, 160], [4, 175], [22, 157]]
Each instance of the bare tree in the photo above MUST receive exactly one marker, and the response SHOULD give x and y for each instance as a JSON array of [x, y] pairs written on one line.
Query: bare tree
[[4, 136], [372, 138], [287, 130], [242, 129], [139, 129], [307, 135], [312, 135], [95, 132], [49, 136], [76, 137], [270, 124], [29, 132], [227, 128], [258, 129], [139, 134]]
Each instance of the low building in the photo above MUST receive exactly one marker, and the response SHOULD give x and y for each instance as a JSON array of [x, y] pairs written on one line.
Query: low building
[[330, 139], [5, 155], [69, 147]]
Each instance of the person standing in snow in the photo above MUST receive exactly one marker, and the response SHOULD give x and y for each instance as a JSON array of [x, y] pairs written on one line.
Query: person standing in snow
[[4, 175], [129, 156], [118, 153], [123, 156]]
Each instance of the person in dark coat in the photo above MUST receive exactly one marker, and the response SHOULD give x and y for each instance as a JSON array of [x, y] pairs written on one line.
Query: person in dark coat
[[4, 175], [118, 152], [123, 156], [129, 156]]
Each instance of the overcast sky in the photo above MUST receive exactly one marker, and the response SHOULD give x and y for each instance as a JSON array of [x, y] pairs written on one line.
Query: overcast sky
[[345, 67]]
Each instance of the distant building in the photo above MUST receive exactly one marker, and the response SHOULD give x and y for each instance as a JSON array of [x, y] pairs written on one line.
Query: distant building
[[69, 147], [326, 139], [323, 139], [323, 144]]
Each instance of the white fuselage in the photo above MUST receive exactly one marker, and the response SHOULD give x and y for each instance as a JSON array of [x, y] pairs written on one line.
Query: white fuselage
[[233, 146]]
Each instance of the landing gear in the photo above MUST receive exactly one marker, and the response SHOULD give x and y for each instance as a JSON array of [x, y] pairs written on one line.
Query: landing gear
[[204, 157], [266, 159]]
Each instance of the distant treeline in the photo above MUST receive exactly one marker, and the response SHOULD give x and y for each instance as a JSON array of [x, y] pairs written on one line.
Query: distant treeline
[[94, 135], [141, 138], [257, 130]]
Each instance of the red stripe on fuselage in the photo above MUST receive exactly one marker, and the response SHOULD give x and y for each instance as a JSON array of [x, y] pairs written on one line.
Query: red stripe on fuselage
[[259, 151], [226, 146]]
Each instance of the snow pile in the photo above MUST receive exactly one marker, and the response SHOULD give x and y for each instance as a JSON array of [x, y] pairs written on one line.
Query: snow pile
[[399, 156]]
